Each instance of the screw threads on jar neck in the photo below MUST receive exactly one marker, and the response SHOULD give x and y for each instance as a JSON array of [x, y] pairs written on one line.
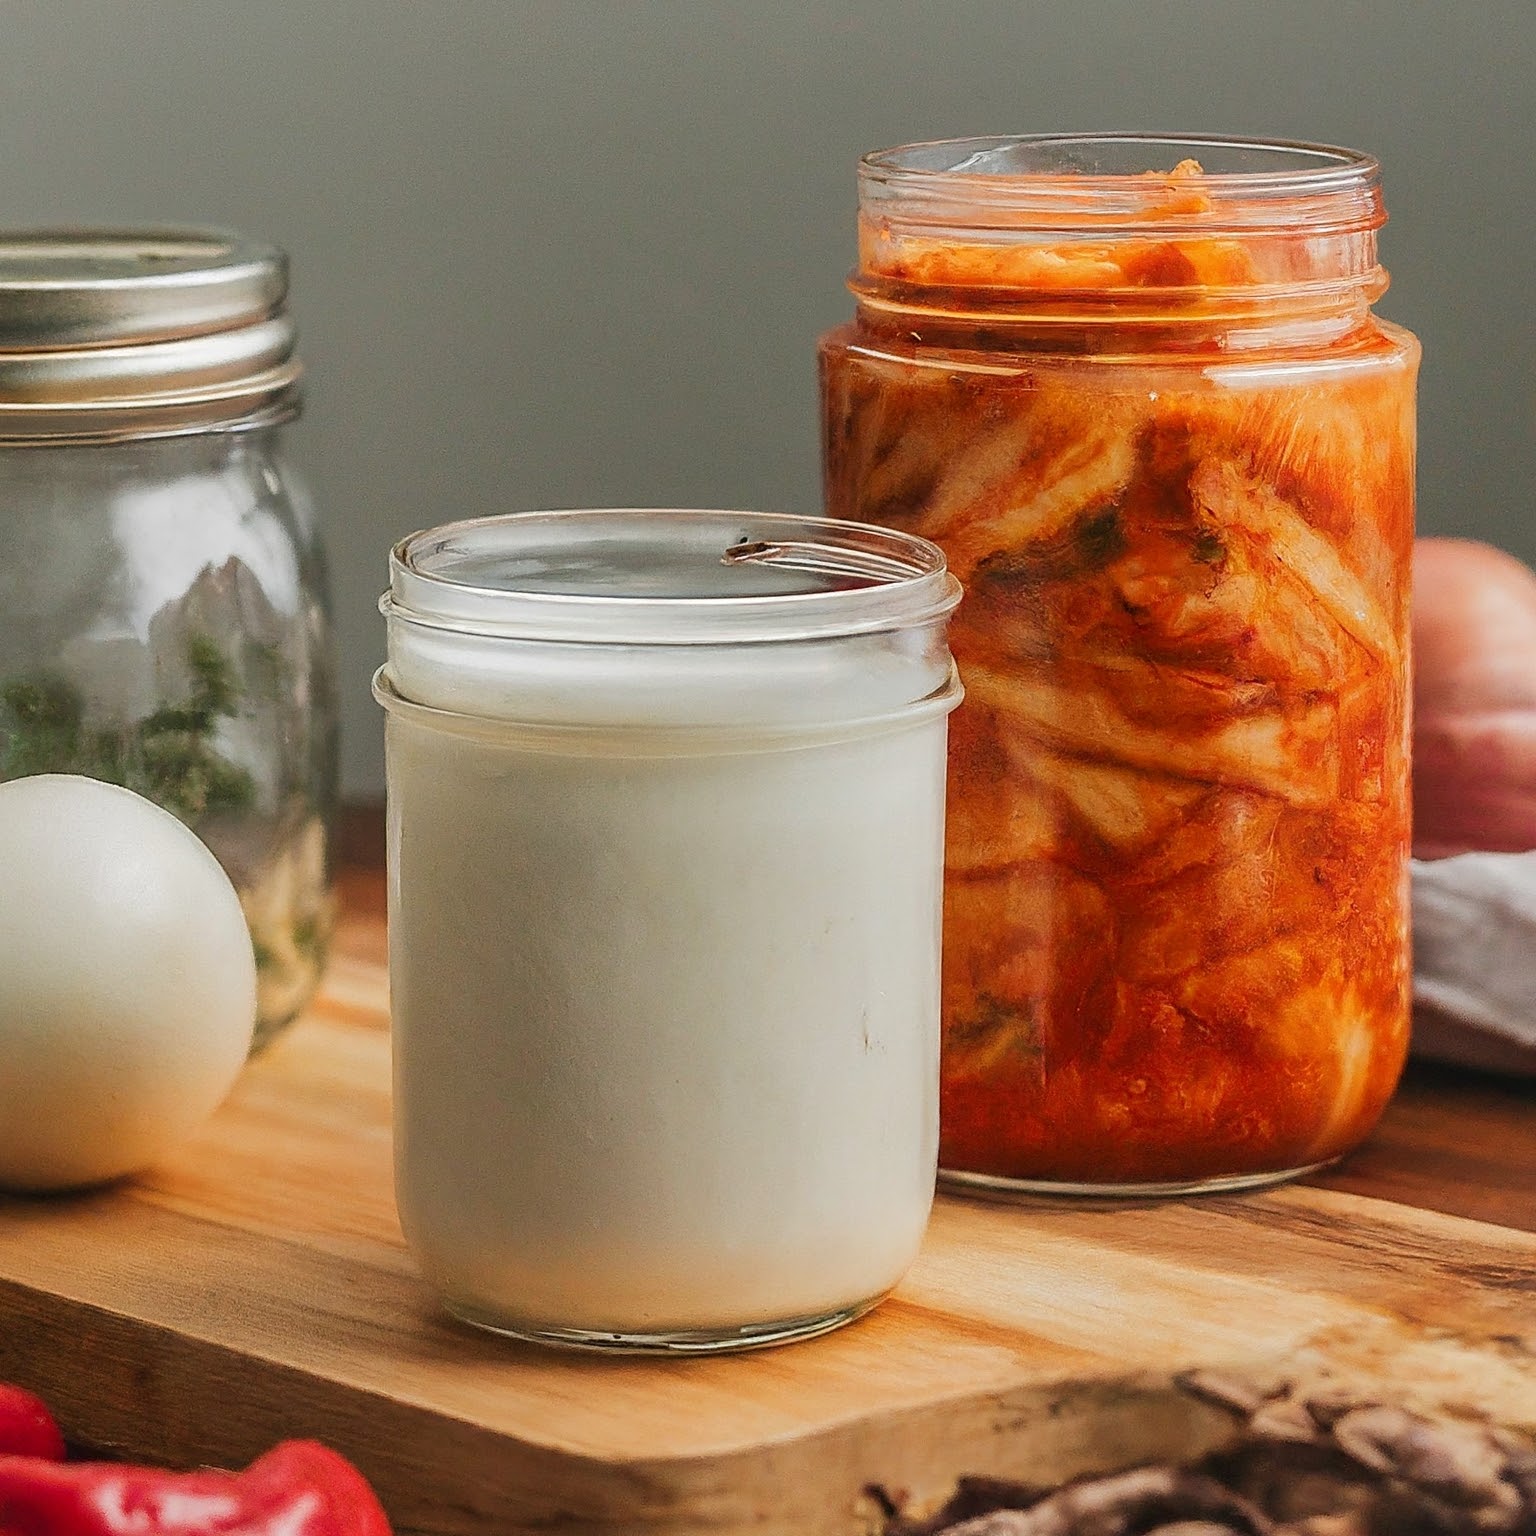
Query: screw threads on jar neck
[[1073, 243]]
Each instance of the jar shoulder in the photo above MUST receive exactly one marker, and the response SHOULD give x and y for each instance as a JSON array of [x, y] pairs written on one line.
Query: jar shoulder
[[1377, 346]]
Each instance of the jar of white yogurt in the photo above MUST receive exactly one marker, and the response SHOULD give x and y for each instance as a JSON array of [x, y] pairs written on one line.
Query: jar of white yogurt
[[666, 806]]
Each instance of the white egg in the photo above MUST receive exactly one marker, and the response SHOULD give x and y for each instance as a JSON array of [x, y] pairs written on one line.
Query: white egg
[[127, 982]]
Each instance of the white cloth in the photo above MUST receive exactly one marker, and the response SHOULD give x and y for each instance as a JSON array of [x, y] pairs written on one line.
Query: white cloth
[[1474, 960]]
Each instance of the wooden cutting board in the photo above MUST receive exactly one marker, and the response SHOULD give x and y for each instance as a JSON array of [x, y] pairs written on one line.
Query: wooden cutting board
[[257, 1288]]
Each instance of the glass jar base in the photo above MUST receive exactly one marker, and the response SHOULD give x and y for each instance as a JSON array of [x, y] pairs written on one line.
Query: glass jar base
[[698, 1341], [989, 1186]]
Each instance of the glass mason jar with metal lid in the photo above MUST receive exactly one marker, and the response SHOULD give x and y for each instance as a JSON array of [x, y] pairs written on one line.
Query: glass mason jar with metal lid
[[666, 802], [1135, 388], [163, 613]]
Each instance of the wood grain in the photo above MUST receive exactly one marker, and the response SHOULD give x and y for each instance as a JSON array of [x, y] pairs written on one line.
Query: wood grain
[[257, 1287], [1455, 1141]]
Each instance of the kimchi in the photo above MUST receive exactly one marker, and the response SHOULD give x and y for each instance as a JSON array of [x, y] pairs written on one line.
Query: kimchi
[[1136, 391]]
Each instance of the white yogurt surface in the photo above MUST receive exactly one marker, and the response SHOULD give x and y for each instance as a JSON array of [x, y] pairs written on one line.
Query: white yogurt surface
[[665, 1004]]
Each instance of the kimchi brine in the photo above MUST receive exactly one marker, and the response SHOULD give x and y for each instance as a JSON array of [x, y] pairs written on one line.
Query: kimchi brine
[[1136, 391]]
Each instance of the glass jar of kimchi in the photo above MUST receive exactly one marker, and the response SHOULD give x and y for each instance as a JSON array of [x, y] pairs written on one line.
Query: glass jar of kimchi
[[1135, 389]]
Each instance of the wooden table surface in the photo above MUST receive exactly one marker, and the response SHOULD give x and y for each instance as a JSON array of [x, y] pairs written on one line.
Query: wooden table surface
[[256, 1286]]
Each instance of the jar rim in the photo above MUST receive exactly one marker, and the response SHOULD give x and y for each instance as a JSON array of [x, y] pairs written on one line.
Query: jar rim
[[1066, 180], [666, 576]]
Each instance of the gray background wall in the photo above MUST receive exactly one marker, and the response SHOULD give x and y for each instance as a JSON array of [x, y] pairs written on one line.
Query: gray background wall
[[563, 252]]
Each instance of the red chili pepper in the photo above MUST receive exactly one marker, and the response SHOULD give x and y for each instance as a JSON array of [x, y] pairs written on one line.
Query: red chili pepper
[[27, 1428], [298, 1489]]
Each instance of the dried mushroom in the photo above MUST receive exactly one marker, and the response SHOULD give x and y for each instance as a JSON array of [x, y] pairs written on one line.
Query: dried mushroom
[[1323, 1462]]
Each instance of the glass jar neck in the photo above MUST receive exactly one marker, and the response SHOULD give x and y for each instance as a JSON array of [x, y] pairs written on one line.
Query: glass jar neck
[[1117, 244], [641, 624], [666, 577]]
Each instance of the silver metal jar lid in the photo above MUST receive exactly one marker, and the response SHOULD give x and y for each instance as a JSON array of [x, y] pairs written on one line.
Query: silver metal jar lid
[[112, 334]]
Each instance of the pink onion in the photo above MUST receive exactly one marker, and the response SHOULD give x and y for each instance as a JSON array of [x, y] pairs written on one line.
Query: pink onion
[[1474, 737]]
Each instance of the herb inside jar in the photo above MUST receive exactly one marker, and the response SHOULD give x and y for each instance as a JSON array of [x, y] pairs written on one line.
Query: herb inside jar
[[167, 757]]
